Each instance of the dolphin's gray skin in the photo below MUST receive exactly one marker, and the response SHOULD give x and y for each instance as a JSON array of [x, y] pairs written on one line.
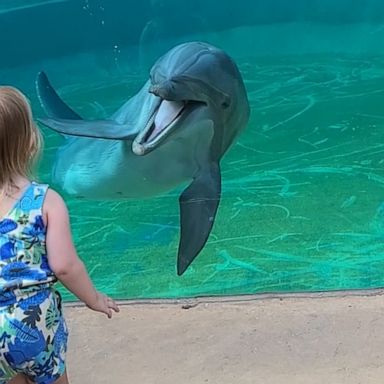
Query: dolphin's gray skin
[[173, 131]]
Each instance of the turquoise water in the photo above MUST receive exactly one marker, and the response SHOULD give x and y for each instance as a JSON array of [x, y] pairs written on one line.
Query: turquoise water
[[302, 206]]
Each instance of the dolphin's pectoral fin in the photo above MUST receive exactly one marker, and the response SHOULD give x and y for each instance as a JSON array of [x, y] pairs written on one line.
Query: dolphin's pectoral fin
[[100, 129], [51, 102], [66, 121], [198, 206]]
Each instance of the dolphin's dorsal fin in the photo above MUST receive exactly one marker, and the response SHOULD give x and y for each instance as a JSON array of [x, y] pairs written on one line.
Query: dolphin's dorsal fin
[[51, 102]]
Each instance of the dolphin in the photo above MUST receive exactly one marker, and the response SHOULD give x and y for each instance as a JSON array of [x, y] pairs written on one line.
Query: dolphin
[[173, 132]]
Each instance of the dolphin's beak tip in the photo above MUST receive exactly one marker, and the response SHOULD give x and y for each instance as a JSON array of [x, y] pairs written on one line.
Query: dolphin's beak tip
[[138, 149]]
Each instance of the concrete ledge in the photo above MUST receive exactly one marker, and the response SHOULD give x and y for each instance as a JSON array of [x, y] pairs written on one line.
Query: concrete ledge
[[282, 339]]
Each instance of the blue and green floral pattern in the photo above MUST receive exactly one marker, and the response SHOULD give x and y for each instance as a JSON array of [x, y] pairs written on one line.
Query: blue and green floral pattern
[[33, 337], [23, 258], [33, 333]]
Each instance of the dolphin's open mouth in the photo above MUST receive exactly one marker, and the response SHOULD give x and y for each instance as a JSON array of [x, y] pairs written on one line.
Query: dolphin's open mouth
[[165, 115], [160, 124]]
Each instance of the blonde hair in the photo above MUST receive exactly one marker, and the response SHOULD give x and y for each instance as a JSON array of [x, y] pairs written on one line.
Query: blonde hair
[[20, 138]]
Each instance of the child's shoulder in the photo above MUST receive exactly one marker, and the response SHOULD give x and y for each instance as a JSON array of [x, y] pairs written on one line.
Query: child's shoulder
[[54, 202], [55, 210], [53, 197]]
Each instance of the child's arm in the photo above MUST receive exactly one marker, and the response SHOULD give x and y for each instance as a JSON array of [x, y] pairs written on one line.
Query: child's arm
[[63, 258]]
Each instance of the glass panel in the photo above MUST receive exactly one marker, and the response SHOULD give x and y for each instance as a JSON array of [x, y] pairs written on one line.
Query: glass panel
[[302, 205]]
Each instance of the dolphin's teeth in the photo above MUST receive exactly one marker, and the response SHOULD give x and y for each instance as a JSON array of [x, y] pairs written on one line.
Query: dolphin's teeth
[[150, 121], [138, 148]]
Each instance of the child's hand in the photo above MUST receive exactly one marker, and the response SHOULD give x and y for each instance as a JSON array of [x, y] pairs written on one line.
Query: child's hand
[[104, 304]]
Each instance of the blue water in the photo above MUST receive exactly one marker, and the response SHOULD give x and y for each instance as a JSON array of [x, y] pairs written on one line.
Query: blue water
[[302, 203]]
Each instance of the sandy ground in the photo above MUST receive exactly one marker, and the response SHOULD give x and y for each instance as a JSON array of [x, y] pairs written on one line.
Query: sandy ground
[[331, 339]]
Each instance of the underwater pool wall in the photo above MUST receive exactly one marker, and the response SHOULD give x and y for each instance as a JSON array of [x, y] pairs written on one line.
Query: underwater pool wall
[[35, 30]]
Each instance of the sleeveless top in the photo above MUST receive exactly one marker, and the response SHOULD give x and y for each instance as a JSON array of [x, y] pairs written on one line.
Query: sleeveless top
[[23, 254]]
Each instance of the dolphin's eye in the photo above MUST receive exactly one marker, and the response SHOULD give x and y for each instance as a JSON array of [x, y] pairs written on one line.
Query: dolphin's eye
[[225, 104]]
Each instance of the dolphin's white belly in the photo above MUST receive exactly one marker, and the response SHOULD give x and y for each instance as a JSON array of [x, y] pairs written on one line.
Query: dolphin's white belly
[[105, 169]]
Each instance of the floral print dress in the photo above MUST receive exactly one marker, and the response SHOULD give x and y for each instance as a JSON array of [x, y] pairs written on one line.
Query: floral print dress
[[33, 333]]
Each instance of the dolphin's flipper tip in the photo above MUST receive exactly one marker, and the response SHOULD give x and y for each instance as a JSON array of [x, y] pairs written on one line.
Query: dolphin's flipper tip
[[184, 261], [181, 266], [198, 207]]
